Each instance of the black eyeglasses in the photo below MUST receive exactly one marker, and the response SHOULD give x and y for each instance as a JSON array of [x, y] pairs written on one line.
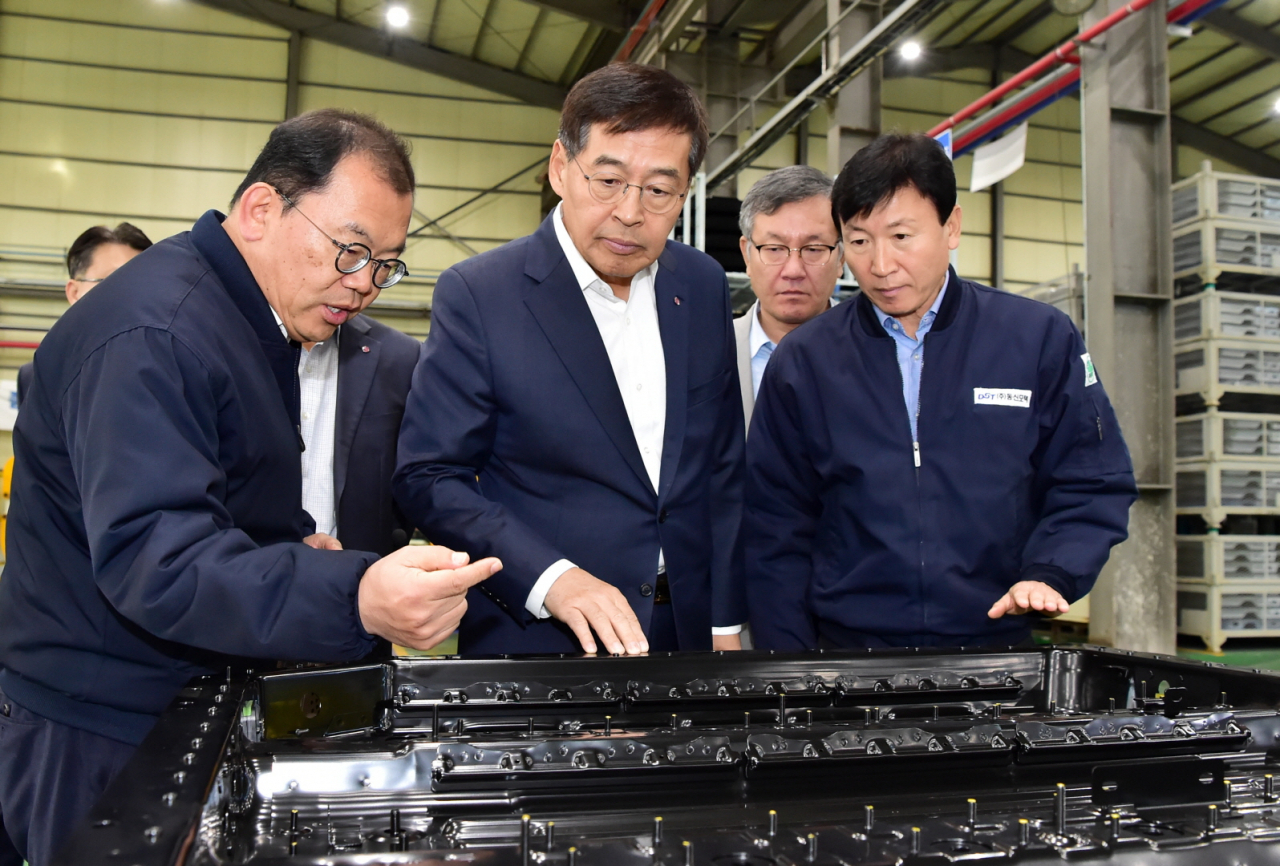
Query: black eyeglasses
[[608, 188], [353, 257], [810, 254]]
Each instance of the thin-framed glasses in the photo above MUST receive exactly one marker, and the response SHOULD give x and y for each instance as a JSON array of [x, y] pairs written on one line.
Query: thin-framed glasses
[[609, 188], [810, 254], [353, 257], [87, 280]]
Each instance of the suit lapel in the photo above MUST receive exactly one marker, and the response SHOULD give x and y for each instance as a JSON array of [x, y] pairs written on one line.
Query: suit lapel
[[673, 321], [356, 368], [562, 312], [742, 336]]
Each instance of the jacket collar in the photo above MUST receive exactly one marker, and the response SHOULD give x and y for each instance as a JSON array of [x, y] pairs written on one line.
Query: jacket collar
[[214, 244], [233, 272], [869, 315]]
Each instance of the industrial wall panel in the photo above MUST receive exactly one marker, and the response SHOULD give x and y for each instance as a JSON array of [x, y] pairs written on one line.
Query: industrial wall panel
[[934, 95], [1046, 181], [323, 63], [1039, 261], [1052, 145], [974, 260], [1189, 161], [1037, 219], [148, 13], [416, 115], [125, 189], [21, 228], [88, 43], [975, 213], [500, 218], [121, 137], [141, 92]]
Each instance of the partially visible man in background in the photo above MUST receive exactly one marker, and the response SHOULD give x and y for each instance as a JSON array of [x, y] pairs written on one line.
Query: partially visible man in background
[[92, 258], [792, 249]]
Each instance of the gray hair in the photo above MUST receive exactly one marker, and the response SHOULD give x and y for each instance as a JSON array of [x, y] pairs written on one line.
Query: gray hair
[[784, 186]]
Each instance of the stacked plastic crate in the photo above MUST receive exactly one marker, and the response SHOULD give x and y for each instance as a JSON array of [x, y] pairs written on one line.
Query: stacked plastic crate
[[1226, 245]]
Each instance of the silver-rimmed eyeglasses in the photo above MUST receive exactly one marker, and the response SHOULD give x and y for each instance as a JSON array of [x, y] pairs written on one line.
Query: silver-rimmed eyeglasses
[[810, 254], [609, 188], [353, 257]]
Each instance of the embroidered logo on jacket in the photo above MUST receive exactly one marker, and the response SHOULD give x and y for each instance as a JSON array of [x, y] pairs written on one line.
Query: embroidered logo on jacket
[[1090, 374], [1002, 397]]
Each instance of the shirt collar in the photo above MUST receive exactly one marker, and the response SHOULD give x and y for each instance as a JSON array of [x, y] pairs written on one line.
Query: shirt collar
[[586, 276], [925, 320], [757, 337]]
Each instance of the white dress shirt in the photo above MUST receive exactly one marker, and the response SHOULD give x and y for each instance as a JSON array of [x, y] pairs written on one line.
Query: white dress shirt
[[318, 380], [633, 342]]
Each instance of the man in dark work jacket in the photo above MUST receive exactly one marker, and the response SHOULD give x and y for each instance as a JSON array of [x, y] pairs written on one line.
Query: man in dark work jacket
[[156, 525], [933, 459]]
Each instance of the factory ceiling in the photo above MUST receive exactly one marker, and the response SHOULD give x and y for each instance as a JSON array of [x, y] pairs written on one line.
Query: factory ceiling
[[1224, 78]]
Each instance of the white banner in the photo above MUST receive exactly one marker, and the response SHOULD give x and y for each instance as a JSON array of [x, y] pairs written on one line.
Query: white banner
[[996, 160]]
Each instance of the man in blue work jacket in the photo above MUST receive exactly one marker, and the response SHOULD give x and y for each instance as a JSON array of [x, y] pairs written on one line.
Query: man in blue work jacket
[[157, 531], [937, 457]]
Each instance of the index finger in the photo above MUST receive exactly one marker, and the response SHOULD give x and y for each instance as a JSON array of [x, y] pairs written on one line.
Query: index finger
[[457, 581]]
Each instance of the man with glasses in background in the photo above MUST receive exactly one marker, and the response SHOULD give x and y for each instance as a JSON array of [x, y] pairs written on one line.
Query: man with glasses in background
[[92, 258], [576, 409], [156, 530], [792, 251]]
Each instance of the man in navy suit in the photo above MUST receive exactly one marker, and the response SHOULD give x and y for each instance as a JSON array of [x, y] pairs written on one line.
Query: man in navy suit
[[576, 409], [375, 367], [352, 391]]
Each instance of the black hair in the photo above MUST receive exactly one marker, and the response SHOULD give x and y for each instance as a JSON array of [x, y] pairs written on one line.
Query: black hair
[[888, 164], [301, 153], [80, 253], [628, 97]]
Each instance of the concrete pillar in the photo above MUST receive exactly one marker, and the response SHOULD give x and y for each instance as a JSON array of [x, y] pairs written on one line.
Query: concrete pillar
[[855, 110], [1128, 295]]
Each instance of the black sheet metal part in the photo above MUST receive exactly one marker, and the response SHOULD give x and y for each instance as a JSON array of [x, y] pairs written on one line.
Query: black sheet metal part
[[323, 703], [884, 757]]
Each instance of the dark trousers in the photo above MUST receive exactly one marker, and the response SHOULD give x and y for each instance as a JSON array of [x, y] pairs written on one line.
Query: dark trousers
[[50, 776]]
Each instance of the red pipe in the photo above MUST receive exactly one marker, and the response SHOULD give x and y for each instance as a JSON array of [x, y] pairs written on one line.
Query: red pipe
[[1019, 106], [640, 29], [1182, 10], [1054, 57], [11, 344]]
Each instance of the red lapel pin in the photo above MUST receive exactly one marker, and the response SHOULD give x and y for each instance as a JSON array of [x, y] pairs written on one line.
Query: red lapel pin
[[677, 300], [364, 348]]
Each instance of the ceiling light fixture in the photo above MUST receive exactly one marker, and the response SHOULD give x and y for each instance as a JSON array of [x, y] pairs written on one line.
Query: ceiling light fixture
[[911, 50], [397, 17]]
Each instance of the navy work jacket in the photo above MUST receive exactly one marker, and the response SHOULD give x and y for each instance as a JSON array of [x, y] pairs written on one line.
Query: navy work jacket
[[1022, 474], [156, 518]]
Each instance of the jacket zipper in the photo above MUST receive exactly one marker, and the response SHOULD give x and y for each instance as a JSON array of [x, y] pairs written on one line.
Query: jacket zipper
[[915, 459]]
